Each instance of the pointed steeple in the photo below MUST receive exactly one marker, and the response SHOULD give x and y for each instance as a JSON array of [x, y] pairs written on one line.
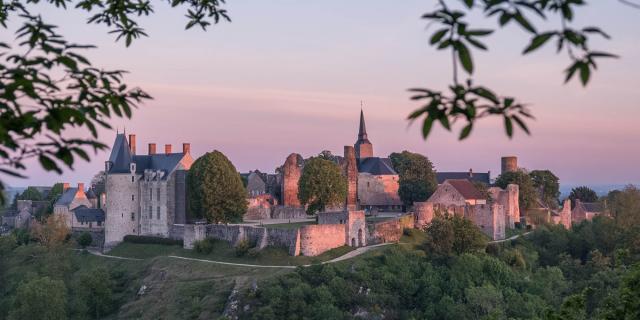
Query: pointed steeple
[[362, 133], [364, 148]]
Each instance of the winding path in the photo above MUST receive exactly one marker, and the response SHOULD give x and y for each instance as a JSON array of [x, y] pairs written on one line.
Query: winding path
[[348, 255]]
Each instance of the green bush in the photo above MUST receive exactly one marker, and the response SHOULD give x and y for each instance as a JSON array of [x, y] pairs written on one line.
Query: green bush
[[242, 248], [85, 239], [203, 246], [152, 240]]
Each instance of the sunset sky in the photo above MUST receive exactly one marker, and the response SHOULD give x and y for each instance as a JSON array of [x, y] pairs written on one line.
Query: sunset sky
[[288, 76]]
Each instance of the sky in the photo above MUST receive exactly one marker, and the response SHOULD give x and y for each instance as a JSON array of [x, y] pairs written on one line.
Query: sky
[[288, 76]]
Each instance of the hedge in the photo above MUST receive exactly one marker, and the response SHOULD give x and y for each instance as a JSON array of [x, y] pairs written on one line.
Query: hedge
[[152, 240]]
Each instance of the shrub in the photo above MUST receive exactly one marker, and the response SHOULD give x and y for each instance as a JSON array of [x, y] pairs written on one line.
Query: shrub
[[151, 240], [518, 225], [85, 239], [242, 248], [203, 246], [493, 249]]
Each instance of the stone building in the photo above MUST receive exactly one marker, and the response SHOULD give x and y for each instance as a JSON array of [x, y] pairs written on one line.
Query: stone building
[[457, 192], [563, 216], [70, 199], [509, 199], [484, 177], [21, 217], [586, 211], [87, 219], [144, 194]]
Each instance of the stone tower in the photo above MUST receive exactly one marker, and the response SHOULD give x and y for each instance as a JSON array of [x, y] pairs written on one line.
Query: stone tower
[[509, 164], [351, 172], [363, 147], [291, 172]]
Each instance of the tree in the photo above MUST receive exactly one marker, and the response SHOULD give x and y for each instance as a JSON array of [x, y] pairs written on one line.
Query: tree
[[625, 206], [85, 239], [40, 298], [52, 233], [469, 102], [527, 196], [321, 184], [50, 88], [327, 155], [448, 234], [548, 187], [55, 192], [98, 182], [584, 194], [30, 193], [215, 189], [417, 177], [95, 285]]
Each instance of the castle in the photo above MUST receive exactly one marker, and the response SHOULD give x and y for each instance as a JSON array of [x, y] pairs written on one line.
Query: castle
[[145, 194]]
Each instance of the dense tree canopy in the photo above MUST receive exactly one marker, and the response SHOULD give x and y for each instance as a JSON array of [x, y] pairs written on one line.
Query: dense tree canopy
[[40, 298], [528, 195], [584, 194], [216, 192], [452, 234], [417, 176], [31, 193], [321, 185], [625, 206], [548, 186]]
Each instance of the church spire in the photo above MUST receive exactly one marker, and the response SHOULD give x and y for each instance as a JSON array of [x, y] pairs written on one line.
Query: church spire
[[362, 133]]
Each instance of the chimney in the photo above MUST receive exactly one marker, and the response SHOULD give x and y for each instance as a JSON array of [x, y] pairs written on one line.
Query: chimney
[[186, 148], [132, 143], [152, 148], [81, 186], [167, 148], [65, 186]]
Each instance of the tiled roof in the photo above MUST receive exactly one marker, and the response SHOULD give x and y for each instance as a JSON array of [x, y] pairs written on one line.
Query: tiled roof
[[466, 189], [84, 214], [67, 197], [592, 206], [475, 176], [376, 166]]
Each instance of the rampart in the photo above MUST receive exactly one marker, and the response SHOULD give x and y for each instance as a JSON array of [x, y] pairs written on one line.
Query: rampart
[[319, 238]]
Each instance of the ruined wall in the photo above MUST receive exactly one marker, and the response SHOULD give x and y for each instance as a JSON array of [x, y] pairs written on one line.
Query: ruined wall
[[285, 238], [407, 221], [383, 232], [509, 200], [316, 239], [282, 212], [489, 218], [176, 231], [379, 191], [565, 214], [193, 233], [291, 171], [356, 228], [424, 212], [350, 171]]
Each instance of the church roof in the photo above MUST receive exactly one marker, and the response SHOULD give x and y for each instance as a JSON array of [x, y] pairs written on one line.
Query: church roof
[[376, 166], [362, 131], [484, 177]]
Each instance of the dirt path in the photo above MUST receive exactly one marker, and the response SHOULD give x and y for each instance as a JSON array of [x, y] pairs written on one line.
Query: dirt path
[[346, 256], [512, 238]]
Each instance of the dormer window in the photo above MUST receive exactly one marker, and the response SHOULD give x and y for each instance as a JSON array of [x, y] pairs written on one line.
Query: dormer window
[[132, 167]]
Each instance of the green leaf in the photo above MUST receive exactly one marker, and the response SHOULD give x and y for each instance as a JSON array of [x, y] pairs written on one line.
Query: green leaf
[[524, 22], [465, 57], [585, 73], [466, 131], [48, 164], [508, 126], [538, 41], [438, 36], [426, 127], [521, 123], [479, 32], [476, 43]]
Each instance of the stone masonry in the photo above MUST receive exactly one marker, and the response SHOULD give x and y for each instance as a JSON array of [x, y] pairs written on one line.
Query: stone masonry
[[291, 171], [351, 172]]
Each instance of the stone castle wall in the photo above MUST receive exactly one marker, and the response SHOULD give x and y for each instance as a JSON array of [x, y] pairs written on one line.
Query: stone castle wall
[[424, 213], [380, 190], [319, 238], [283, 212], [489, 218], [285, 238], [383, 232], [350, 171], [120, 207], [291, 171]]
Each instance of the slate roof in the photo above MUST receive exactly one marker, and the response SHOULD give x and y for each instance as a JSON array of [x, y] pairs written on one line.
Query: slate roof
[[592, 206], [84, 214], [121, 158], [67, 197], [475, 176], [90, 194], [376, 166], [466, 189]]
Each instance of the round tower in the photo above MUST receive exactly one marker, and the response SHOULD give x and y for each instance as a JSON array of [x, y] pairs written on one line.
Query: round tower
[[509, 164]]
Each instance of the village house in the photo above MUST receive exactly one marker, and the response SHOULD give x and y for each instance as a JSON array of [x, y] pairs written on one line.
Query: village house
[[70, 199], [586, 211]]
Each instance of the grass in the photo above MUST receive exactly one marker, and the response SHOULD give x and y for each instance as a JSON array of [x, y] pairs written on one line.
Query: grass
[[294, 225], [223, 251], [413, 238]]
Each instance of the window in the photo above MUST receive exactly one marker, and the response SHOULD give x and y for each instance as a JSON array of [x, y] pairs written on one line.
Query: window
[[133, 179], [158, 196], [90, 224], [150, 194], [133, 197], [99, 223], [133, 216], [158, 213]]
